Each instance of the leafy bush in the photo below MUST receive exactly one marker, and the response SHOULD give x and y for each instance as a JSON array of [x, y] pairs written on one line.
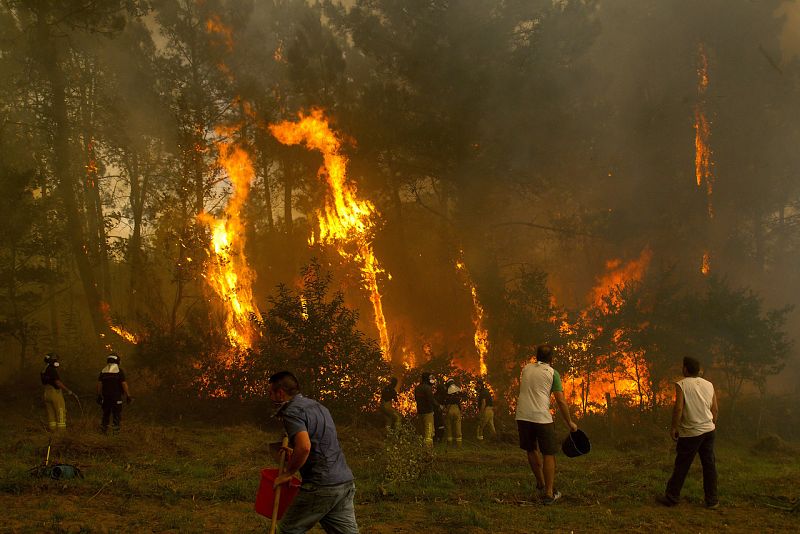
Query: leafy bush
[[405, 456]]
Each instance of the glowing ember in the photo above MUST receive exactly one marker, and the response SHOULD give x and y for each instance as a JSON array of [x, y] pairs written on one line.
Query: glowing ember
[[347, 221], [481, 337], [228, 273], [406, 403], [705, 267], [303, 307]]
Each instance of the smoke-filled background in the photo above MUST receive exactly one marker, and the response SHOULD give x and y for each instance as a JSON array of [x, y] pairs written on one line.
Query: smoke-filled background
[[618, 178]]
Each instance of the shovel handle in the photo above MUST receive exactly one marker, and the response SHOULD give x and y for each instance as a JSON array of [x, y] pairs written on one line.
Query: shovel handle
[[282, 456]]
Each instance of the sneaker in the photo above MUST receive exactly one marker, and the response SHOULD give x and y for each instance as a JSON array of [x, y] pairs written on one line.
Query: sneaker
[[712, 505], [550, 500], [666, 501]]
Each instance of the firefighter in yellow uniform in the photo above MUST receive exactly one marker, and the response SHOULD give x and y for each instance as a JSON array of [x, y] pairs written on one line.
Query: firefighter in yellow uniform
[[485, 410], [53, 395], [452, 414], [390, 414]]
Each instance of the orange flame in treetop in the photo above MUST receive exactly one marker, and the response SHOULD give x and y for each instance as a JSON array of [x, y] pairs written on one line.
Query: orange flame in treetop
[[702, 151], [215, 26], [228, 273], [601, 382], [618, 275], [347, 221], [481, 337]]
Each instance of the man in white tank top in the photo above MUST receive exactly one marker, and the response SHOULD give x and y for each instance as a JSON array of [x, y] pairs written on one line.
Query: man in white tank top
[[694, 419]]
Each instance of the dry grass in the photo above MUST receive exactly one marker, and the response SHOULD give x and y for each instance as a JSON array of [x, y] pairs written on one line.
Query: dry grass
[[194, 478]]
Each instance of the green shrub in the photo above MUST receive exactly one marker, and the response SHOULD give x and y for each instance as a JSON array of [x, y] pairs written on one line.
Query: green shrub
[[405, 456]]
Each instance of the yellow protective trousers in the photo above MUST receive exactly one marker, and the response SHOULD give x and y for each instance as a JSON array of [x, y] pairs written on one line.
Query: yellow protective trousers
[[427, 428], [391, 417], [452, 424], [486, 420], [56, 409]]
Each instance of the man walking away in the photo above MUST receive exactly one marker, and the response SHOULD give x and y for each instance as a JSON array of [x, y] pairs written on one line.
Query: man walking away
[[694, 419], [485, 410], [388, 396], [426, 404], [326, 494], [111, 389], [53, 394], [537, 435]]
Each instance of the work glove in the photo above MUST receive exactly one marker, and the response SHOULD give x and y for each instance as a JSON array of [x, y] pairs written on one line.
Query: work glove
[[100, 400]]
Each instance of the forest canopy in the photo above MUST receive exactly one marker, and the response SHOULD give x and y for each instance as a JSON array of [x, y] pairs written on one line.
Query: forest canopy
[[449, 181]]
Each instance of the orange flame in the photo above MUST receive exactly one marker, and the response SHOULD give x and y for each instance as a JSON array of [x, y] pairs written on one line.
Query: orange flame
[[215, 26], [702, 127], [622, 382], [228, 273], [347, 221], [105, 309], [618, 275], [705, 267], [702, 152], [481, 337]]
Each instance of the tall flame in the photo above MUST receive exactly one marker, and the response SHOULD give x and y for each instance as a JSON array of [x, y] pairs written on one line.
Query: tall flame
[[703, 162], [481, 337], [228, 273], [346, 221]]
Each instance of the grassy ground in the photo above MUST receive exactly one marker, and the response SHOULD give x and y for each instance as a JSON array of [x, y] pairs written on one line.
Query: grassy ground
[[193, 478]]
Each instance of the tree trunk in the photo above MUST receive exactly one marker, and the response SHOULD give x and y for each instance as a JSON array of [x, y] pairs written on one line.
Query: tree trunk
[[62, 167], [264, 166], [55, 340], [758, 236], [288, 186], [138, 190]]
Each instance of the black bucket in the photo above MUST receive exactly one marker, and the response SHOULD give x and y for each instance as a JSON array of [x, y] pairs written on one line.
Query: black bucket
[[576, 444]]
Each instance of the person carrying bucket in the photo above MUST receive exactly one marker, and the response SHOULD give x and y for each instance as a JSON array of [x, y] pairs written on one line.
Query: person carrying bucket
[[537, 434], [327, 491]]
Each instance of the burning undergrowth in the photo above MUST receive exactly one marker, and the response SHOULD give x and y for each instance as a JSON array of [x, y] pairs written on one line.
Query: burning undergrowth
[[309, 330]]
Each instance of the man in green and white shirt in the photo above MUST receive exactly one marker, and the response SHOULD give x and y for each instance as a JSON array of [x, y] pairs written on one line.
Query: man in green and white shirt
[[535, 422]]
